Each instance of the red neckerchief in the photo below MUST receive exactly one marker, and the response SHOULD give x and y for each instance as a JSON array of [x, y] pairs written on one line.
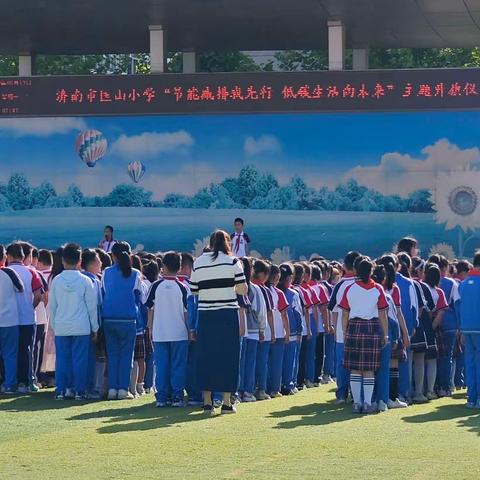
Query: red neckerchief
[[474, 272], [237, 243]]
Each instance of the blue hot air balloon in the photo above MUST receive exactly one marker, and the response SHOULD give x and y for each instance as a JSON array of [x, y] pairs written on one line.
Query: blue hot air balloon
[[91, 146], [136, 170]]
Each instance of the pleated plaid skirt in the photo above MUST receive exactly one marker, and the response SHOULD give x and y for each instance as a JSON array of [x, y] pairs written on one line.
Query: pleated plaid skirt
[[363, 344]]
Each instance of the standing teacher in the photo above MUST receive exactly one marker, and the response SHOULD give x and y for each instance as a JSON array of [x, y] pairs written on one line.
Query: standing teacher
[[217, 278]]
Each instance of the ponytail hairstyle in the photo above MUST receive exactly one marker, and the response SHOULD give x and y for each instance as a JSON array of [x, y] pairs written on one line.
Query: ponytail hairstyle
[[379, 274], [307, 270], [405, 264], [261, 267], [298, 272], [274, 271], [220, 242], [390, 265], [316, 273], [363, 267], [247, 269], [432, 275], [286, 272], [418, 266], [121, 254]]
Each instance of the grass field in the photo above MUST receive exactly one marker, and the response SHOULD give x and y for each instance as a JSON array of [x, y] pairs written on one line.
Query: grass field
[[305, 436]]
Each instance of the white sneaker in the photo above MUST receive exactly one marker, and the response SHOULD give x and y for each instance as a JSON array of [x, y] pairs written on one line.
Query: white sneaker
[[262, 395], [382, 406], [248, 397], [396, 404], [125, 395], [421, 398], [112, 394]]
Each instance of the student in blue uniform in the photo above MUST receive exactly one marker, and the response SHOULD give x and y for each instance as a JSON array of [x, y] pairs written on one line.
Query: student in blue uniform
[[294, 312], [167, 320], [261, 272], [449, 328], [410, 312], [469, 291], [282, 334], [121, 286], [342, 374], [74, 318], [10, 285]]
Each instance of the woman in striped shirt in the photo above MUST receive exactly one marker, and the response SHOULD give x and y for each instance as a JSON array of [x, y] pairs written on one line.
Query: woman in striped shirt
[[217, 278]]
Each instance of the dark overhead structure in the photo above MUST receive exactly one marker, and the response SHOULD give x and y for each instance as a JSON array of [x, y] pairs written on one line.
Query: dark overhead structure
[[122, 26]]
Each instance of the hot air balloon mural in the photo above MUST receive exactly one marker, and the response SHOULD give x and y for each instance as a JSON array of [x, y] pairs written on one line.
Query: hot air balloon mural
[[91, 146], [136, 170]]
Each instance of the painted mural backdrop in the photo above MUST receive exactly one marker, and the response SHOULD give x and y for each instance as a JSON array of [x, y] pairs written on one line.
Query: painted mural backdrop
[[304, 183]]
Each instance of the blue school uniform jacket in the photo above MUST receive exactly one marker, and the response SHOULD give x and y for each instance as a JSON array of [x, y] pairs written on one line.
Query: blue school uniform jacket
[[450, 320], [120, 294], [409, 302], [294, 316], [469, 291]]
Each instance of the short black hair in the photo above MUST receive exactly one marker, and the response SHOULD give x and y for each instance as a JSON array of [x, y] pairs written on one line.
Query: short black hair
[[172, 261], [45, 257], [349, 259], [239, 219], [187, 259], [35, 252], [476, 259], [72, 253], [15, 250], [109, 227], [2, 252], [88, 256], [151, 271], [463, 266]]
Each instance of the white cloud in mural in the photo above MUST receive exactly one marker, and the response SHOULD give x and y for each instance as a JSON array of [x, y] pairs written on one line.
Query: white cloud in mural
[[149, 144], [263, 144], [40, 127], [402, 173]]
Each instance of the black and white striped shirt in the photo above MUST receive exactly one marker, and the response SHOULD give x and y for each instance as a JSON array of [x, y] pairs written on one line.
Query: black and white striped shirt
[[214, 281]]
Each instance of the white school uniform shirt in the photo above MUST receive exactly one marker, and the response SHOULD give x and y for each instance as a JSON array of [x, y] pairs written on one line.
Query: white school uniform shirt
[[239, 244], [31, 283], [106, 245], [10, 285], [261, 309], [280, 304], [168, 297], [41, 309], [335, 300], [364, 300]]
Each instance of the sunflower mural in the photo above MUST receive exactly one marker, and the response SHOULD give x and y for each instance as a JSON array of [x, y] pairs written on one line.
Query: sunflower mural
[[457, 203]]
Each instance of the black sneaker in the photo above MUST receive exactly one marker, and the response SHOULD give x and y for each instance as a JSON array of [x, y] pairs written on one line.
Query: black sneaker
[[228, 409], [208, 410]]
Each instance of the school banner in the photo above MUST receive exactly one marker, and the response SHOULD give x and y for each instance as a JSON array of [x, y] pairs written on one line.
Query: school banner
[[335, 160]]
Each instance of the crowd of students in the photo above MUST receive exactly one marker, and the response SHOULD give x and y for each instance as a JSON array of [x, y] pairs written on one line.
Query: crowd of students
[[389, 332]]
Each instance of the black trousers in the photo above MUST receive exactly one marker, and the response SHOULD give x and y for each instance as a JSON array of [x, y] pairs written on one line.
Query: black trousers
[[319, 355], [302, 363], [38, 350], [26, 340]]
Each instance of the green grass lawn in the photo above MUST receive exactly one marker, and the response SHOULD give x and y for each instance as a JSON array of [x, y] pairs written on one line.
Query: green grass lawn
[[305, 436]]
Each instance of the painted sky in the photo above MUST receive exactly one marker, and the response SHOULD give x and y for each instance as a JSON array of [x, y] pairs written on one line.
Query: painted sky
[[392, 152]]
